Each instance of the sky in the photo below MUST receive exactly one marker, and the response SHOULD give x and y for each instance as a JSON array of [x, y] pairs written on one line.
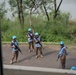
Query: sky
[[66, 6], [69, 6]]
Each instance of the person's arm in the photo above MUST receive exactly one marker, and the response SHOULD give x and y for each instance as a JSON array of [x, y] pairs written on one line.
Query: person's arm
[[36, 40], [59, 55], [27, 35], [65, 51], [40, 40], [12, 46]]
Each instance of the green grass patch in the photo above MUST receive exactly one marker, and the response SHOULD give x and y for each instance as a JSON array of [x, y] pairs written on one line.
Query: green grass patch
[[55, 30]]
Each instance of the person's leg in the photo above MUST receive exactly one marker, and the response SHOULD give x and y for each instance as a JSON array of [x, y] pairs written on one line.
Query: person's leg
[[40, 49], [33, 45], [17, 53], [36, 52], [29, 46], [13, 56], [63, 64], [63, 61]]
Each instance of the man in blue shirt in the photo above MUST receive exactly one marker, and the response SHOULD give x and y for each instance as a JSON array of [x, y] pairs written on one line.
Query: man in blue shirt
[[62, 54]]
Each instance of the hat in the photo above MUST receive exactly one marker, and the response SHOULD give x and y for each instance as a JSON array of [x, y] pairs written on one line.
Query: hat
[[29, 29], [14, 37], [61, 42], [36, 33]]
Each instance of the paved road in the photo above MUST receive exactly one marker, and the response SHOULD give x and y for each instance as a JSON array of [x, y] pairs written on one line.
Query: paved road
[[50, 53]]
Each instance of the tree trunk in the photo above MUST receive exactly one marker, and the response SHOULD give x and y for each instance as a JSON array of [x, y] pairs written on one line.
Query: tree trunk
[[22, 17], [20, 13], [57, 8], [59, 5], [46, 12], [31, 25]]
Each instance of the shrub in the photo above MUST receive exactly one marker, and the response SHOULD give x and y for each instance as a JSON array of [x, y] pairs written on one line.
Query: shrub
[[54, 30]]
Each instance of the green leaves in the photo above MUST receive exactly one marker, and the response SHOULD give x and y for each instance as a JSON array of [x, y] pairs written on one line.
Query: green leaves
[[13, 3], [52, 31], [2, 10]]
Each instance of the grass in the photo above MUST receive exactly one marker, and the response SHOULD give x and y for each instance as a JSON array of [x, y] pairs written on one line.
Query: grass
[[55, 30]]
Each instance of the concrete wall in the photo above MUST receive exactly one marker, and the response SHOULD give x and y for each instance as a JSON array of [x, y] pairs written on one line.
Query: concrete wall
[[25, 70]]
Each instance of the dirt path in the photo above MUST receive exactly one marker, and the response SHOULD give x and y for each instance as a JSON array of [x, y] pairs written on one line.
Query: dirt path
[[50, 53]]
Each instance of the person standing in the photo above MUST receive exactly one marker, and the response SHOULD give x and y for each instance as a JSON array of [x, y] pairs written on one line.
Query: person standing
[[30, 37], [15, 51], [62, 54], [38, 44]]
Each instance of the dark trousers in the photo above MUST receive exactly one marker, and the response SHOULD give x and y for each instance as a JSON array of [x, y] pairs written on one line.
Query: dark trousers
[[63, 60], [38, 49]]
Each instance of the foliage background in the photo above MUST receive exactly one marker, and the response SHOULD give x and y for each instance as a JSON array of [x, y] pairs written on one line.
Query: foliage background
[[55, 30]]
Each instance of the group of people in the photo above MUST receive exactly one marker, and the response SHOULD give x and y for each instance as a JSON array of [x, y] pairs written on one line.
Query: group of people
[[32, 39], [35, 44]]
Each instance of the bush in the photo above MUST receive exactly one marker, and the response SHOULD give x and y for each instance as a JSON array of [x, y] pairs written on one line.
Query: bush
[[4, 25], [54, 30]]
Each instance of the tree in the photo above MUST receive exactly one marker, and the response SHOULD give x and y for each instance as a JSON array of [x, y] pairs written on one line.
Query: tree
[[18, 5], [2, 14], [29, 5], [34, 7], [2, 10], [20, 13], [56, 8], [43, 7]]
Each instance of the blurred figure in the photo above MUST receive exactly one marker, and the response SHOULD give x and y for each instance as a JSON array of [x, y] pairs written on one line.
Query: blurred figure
[[62, 54], [38, 44], [30, 37], [15, 51]]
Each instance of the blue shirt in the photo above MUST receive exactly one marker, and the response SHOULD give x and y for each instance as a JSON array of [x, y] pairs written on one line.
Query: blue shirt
[[62, 51], [38, 39], [14, 44]]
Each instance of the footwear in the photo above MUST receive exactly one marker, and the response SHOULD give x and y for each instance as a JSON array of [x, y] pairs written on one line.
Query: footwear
[[33, 50], [36, 56], [11, 62], [41, 56], [16, 61]]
